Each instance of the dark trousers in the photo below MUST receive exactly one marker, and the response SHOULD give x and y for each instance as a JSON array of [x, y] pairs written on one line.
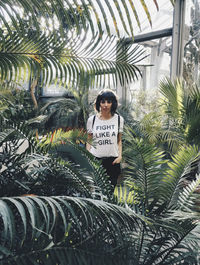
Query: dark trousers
[[113, 171]]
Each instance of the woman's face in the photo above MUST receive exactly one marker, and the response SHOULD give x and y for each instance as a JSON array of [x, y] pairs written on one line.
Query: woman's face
[[105, 105]]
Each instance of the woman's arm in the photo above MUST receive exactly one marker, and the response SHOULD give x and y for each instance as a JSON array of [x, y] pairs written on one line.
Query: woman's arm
[[119, 142]]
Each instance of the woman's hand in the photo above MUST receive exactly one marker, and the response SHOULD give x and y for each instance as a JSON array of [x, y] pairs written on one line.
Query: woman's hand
[[117, 160]]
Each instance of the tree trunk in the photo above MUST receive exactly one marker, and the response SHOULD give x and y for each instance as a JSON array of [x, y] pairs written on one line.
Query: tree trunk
[[33, 85]]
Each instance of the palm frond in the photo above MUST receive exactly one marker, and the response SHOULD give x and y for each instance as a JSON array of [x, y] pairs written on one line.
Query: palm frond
[[16, 134], [173, 96], [17, 142], [66, 145], [192, 114], [69, 222], [126, 196], [52, 60], [179, 167], [67, 13], [63, 255], [145, 166], [182, 110], [157, 129], [188, 199], [30, 49]]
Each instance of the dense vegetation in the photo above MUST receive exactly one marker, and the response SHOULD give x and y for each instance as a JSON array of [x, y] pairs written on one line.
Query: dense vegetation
[[57, 205]]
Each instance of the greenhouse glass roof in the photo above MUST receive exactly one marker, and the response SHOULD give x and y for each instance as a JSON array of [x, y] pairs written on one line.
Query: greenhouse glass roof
[[161, 19]]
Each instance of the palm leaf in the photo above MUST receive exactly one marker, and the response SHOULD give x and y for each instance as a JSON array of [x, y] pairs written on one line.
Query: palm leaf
[[66, 145], [146, 10], [173, 94], [178, 168], [192, 114], [144, 169], [187, 198], [44, 9], [67, 220], [125, 196], [63, 255], [33, 52], [181, 106], [67, 61], [158, 130]]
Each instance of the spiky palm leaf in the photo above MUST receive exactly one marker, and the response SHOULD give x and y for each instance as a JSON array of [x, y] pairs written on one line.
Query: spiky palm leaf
[[62, 256], [15, 107], [31, 50], [179, 168], [174, 219], [177, 122], [27, 168], [17, 142], [144, 167], [87, 10], [66, 145], [110, 232], [182, 108], [159, 180], [69, 223], [173, 98], [67, 61], [157, 129]]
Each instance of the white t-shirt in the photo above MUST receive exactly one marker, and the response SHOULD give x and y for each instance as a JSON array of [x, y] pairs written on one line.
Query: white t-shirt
[[105, 135]]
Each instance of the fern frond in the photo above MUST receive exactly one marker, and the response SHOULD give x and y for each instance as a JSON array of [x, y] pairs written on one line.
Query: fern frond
[[188, 198], [145, 165], [178, 168]]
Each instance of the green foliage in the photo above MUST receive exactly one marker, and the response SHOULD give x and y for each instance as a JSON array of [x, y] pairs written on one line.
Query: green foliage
[[29, 167], [67, 112], [176, 121], [16, 106], [62, 42], [69, 207], [161, 192], [44, 225], [68, 213], [182, 107]]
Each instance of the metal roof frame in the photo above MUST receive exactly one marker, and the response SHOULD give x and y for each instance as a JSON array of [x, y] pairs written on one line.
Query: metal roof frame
[[177, 32]]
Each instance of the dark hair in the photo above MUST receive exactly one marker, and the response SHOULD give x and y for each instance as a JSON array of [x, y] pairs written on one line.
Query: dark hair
[[107, 95]]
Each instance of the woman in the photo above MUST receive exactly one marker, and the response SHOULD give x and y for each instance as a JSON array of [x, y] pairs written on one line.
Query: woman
[[106, 129]]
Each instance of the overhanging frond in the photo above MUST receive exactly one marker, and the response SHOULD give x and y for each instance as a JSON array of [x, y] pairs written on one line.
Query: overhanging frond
[[188, 198], [48, 222], [100, 14], [69, 61]]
